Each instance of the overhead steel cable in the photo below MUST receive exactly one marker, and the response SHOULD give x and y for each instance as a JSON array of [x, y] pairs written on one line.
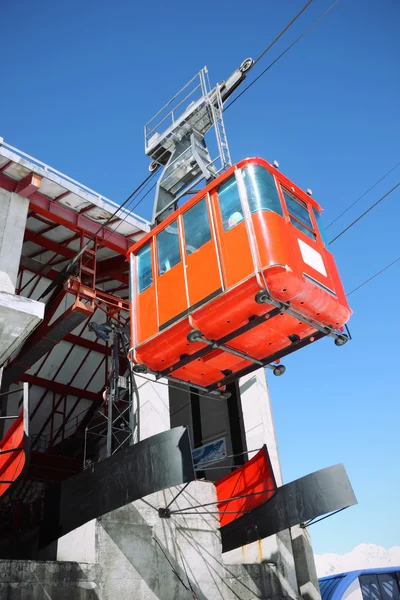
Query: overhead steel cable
[[362, 195], [71, 264], [374, 276], [364, 213], [307, 4], [282, 54]]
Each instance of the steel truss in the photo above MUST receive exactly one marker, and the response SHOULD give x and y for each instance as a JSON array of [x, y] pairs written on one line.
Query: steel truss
[[116, 423]]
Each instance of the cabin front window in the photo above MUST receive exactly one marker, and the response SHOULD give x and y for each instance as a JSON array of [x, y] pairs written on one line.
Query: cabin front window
[[168, 252], [299, 215], [144, 268], [229, 201], [197, 227], [261, 190]]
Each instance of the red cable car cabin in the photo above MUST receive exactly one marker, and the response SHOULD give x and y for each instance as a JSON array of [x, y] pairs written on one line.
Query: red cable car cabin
[[235, 279]]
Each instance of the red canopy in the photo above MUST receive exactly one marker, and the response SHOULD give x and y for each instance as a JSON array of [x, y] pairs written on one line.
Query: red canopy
[[245, 488]]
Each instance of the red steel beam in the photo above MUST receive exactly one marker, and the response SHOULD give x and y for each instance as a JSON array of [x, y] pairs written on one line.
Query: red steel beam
[[67, 217], [40, 240], [85, 343], [61, 388], [28, 185]]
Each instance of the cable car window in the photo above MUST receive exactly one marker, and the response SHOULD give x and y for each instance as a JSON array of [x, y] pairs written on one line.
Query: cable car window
[[299, 215], [261, 190], [144, 268], [168, 248], [229, 201], [197, 227], [318, 218]]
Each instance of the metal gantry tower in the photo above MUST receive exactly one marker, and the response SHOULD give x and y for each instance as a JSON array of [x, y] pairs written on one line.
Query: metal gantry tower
[[175, 138]]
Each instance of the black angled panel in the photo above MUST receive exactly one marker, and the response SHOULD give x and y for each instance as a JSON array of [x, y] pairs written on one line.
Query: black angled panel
[[309, 497], [157, 463]]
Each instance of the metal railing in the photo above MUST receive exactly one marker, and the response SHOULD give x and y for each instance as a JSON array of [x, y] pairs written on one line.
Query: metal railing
[[14, 154]]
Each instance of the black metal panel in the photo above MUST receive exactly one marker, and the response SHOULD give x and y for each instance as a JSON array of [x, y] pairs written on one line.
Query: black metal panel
[[159, 462], [312, 496]]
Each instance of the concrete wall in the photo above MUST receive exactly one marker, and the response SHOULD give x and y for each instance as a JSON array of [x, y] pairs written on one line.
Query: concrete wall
[[139, 556], [13, 212], [34, 580], [142, 556]]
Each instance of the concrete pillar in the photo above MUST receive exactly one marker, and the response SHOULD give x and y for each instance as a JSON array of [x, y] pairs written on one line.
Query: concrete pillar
[[13, 212], [18, 315], [258, 421], [306, 571]]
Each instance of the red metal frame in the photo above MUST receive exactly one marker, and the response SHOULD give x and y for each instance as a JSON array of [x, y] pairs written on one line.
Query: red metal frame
[[67, 217], [55, 215]]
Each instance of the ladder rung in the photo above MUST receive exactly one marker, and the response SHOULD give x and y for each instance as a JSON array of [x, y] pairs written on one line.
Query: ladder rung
[[87, 270]]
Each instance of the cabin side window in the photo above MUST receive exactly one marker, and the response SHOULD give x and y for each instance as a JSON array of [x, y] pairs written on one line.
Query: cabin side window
[[299, 215], [168, 252], [144, 268], [318, 219], [229, 201], [197, 227], [261, 190]]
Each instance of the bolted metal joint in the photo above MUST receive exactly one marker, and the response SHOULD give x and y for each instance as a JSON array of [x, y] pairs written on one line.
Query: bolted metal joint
[[164, 513]]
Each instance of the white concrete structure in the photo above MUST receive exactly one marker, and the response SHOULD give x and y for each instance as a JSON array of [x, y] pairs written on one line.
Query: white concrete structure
[[134, 553], [18, 316]]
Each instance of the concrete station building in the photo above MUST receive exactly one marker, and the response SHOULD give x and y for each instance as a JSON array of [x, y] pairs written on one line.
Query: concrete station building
[[45, 219]]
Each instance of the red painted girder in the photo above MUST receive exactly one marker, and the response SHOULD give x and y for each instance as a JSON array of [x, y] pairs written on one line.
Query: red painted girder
[[85, 343], [61, 388], [40, 240], [73, 285], [67, 217], [28, 185]]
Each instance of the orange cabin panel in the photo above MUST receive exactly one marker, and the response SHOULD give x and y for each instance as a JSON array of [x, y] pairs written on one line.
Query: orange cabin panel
[[170, 274], [201, 262], [233, 243], [250, 230], [144, 319]]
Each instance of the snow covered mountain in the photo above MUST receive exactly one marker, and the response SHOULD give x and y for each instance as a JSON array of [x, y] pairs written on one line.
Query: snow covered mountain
[[364, 556]]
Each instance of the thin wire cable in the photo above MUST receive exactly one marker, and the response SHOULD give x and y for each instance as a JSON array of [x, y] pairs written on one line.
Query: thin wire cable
[[175, 387], [275, 40], [312, 522], [362, 196], [373, 276], [364, 213], [71, 264], [130, 209], [307, 4], [282, 54]]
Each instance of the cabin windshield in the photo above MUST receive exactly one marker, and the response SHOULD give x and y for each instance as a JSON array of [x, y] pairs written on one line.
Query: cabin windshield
[[261, 190]]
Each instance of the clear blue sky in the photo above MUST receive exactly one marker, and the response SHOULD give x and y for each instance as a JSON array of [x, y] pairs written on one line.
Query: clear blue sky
[[80, 79]]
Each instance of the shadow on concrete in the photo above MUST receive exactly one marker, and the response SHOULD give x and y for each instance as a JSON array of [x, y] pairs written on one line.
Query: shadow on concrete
[[165, 568]]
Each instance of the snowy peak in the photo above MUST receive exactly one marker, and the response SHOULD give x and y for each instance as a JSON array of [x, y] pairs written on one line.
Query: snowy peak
[[364, 556]]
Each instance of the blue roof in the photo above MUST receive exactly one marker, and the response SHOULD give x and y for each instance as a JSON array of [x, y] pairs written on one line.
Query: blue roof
[[334, 586]]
